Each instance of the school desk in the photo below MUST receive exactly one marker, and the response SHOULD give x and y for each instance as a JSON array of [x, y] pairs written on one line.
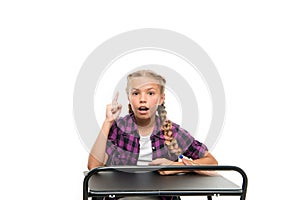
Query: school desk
[[120, 181]]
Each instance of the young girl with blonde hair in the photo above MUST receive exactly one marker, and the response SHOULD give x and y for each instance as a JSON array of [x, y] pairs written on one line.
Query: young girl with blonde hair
[[145, 136]]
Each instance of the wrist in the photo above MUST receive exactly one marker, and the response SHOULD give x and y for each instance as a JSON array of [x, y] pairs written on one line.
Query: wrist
[[178, 163], [108, 122]]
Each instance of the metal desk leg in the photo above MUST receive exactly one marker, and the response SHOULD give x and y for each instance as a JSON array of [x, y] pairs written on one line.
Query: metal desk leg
[[209, 198]]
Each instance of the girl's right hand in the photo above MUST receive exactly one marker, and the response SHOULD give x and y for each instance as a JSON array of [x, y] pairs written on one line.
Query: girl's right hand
[[113, 110]]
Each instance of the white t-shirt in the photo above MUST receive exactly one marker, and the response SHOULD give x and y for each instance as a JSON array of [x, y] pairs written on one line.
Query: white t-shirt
[[145, 155]]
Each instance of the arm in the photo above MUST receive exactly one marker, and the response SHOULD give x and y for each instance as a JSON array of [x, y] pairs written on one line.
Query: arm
[[207, 159], [98, 156], [192, 148]]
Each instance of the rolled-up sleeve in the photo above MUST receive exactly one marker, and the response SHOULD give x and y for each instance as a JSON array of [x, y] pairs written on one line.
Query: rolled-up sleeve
[[196, 150], [191, 147], [120, 147], [112, 136]]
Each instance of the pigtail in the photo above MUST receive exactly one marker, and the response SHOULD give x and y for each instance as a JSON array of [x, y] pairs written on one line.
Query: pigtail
[[166, 127], [162, 113], [130, 111]]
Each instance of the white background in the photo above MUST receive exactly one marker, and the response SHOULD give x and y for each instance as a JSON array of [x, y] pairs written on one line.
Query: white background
[[255, 46]]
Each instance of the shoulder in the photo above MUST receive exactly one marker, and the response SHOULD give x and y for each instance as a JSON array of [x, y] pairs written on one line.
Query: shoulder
[[191, 146], [175, 125], [125, 120], [178, 129], [181, 133], [124, 124]]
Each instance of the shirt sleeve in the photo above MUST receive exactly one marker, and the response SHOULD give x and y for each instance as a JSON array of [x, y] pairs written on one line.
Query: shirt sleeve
[[196, 150], [191, 147], [115, 148], [110, 144]]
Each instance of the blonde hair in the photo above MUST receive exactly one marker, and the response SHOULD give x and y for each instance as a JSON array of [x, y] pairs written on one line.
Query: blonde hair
[[148, 74], [166, 126]]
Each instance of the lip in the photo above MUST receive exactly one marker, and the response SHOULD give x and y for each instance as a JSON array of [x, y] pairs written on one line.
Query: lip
[[141, 111]]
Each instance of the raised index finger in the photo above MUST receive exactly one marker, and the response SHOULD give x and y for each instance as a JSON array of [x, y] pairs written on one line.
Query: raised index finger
[[115, 99]]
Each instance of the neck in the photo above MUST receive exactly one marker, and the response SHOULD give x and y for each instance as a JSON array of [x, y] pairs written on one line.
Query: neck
[[145, 126]]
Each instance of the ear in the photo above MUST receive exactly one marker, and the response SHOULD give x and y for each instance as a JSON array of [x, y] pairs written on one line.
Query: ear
[[162, 98]]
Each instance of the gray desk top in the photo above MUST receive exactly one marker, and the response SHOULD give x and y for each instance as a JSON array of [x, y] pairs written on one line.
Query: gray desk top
[[124, 183]]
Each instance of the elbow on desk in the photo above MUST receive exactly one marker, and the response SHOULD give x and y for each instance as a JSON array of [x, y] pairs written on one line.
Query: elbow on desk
[[91, 166], [94, 163], [216, 162], [212, 159]]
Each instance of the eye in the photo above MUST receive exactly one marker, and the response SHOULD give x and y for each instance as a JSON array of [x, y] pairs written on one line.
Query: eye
[[134, 93], [151, 93]]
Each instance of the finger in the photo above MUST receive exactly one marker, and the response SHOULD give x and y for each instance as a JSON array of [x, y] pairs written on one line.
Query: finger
[[187, 162], [155, 162], [115, 99], [151, 163], [116, 111], [163, 172], [119, 107], [160, 161], [114, 104]]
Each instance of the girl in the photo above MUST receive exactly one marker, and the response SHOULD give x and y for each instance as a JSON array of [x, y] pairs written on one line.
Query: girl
[[145, 136]]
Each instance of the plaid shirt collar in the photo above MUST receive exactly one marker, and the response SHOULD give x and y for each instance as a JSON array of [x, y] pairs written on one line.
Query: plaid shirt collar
[[132, 123]]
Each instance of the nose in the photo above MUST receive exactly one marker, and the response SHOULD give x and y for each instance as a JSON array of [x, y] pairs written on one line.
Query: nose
[[143, 98]]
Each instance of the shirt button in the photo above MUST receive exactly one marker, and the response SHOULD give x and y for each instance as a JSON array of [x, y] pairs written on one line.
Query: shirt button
[[153, 148]]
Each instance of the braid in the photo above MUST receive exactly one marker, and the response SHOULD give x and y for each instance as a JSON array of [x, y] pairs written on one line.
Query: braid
[[130, 111], [166, 127]]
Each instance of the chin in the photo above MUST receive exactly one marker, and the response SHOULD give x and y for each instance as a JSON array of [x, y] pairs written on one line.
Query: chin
[[143, 116]]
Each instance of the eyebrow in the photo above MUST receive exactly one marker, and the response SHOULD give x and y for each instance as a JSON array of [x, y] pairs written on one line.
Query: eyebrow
[[151, 88]]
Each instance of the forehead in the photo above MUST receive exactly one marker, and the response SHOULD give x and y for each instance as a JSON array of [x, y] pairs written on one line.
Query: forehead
[[143, 83]]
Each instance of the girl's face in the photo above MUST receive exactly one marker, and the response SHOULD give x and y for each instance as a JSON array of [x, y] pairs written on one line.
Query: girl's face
[[144, 97]]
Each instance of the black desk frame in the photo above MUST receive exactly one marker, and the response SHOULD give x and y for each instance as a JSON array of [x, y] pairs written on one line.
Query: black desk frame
[[241, 192]]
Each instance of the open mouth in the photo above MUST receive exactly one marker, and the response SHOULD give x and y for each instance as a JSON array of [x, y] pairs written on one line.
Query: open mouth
[[143, 108]]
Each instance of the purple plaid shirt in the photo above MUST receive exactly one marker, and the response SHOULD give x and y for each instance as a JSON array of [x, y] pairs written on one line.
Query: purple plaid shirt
[[123, 143]]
